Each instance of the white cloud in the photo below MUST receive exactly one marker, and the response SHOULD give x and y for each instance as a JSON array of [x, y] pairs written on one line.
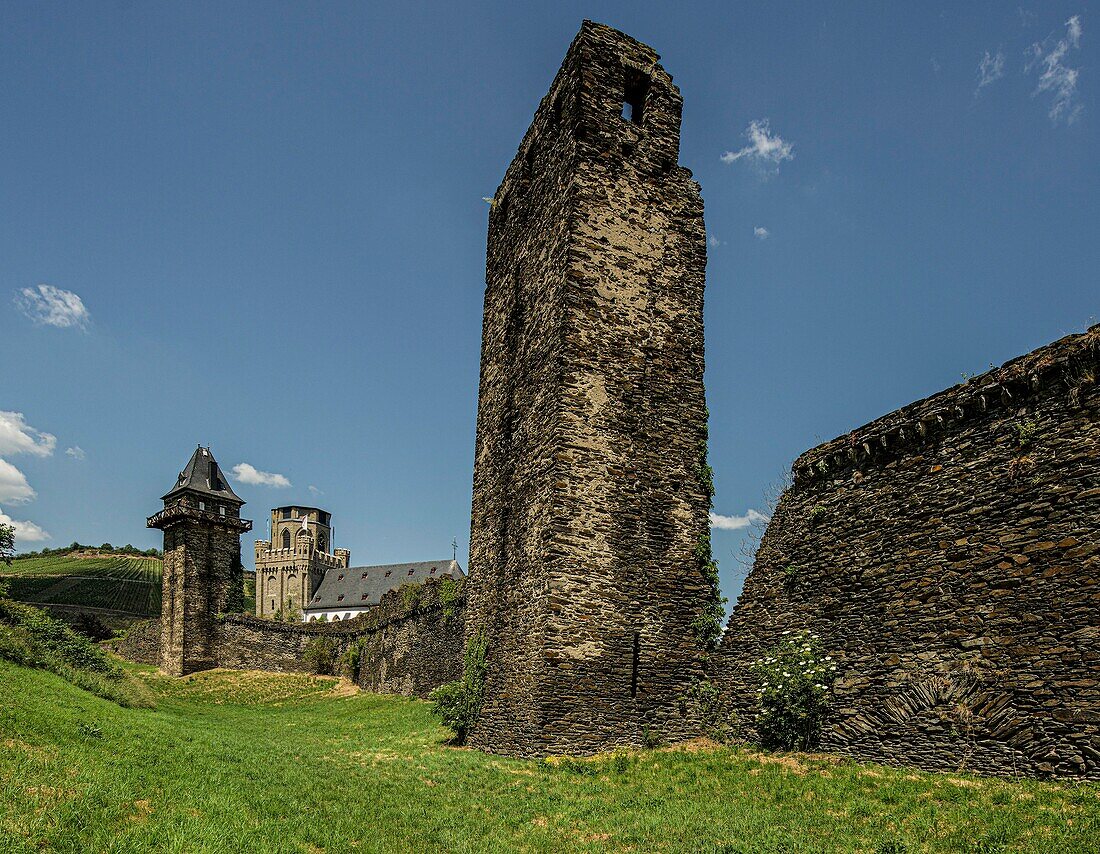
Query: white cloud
[[13, 485], [713, 241], [761, 233], [28, 532], [52, 306], [990, 69], [246, 473], [764, 148], [76, 452], [1056, 77], [736, 523], [314, 490], [18, 437]]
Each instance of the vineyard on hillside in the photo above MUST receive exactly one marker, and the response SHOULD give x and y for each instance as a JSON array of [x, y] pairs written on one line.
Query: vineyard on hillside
[[124, 584], [127, 586]]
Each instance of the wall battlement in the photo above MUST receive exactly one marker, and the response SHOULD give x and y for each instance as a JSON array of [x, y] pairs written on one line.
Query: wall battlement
[[953, 574], [1063, 367]]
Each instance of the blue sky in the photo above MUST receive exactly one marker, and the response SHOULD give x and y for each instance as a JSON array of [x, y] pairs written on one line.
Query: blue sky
[[272, 217]]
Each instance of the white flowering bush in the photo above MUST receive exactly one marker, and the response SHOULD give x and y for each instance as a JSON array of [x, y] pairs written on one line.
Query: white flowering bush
[[794, 679]]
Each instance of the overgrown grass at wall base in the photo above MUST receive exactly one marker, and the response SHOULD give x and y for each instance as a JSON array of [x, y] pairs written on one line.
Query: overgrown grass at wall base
[[320, 655], [794, 677], [458, 704]]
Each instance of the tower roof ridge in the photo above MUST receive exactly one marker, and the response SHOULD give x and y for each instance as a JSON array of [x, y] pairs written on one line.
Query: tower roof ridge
[[203, 474]]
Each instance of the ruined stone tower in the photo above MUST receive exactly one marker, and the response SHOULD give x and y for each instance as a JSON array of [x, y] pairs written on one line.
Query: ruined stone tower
[[591, 492], [202, 573]]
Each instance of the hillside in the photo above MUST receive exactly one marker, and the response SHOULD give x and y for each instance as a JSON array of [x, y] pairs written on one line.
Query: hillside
[[236, 761], [118, 588]]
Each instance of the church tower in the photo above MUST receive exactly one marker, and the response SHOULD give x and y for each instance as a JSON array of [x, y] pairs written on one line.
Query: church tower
[[590, 571], [202, 574], [292, 564]]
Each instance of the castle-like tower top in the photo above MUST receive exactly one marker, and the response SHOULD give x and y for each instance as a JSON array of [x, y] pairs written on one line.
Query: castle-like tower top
[[202, 474], [201, 492]]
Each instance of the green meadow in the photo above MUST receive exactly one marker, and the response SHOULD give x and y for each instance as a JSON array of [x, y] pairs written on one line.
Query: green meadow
[[230, 761]]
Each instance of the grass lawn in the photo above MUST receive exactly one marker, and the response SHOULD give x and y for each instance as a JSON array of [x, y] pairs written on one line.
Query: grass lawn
[[262, 762]]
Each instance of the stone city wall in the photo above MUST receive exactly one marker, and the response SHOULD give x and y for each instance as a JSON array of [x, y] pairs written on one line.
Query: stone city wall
[[948, 555], [412, 640]]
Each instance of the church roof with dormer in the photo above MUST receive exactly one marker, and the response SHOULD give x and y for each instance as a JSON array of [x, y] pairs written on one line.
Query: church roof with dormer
[[203, 475]]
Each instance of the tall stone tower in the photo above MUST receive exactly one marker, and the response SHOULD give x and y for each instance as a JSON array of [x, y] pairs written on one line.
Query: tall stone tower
[[292, 564], [202, 574], [591, 492]]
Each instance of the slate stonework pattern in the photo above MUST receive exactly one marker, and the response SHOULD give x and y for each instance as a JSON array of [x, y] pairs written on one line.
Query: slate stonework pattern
[[948, 555], [588, 504], [412, 645]]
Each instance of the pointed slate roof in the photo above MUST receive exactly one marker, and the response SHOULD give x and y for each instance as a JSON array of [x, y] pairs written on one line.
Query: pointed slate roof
[[363, 586], [202, 474]]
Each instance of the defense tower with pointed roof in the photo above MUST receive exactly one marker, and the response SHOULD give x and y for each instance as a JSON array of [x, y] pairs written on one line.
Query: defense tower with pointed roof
[[202, 574]]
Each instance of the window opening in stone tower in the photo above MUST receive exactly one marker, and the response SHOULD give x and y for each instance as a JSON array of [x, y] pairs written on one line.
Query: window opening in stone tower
[[637, 87], [286, 538], [634, 665]]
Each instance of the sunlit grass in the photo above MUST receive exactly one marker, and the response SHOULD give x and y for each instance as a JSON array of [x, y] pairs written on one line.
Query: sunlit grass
[[244, 761]]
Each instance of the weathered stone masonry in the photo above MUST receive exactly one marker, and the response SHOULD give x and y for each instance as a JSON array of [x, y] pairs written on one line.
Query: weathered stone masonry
[[588, 504], [413, 644], [413, 641], [948, 555]]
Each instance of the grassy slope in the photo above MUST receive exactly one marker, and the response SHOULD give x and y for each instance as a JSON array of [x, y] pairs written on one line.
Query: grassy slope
[[232, 761]]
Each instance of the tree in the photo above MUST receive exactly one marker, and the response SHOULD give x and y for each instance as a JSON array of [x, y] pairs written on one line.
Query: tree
[[7, 542]]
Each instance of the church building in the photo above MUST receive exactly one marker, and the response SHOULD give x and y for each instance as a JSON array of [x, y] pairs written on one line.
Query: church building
[[298, 571]]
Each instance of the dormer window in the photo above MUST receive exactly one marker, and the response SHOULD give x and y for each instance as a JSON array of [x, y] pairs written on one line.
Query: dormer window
[[340, 598], [388, 573], [221, 512], [340, 577], [433, 570], [411, 571], [202, 505], [364, 575]]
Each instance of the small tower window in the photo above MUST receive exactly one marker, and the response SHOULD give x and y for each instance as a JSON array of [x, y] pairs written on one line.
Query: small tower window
[[634, 96], [202, 505], [221, 509], [286, 538], [286, 512]]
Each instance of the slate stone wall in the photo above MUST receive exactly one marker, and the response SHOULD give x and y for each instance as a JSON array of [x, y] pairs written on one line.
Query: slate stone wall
[[141, 643], [948, 555], [413, 641], [589, 499], [201, 577]]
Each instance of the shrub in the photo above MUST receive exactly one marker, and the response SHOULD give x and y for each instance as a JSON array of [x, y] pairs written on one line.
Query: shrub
[[320, 655], [716, 720], [32, 638], [410, 595], [352, 660], [449, 591], [458, 704], [795, 679], [91, 627]]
